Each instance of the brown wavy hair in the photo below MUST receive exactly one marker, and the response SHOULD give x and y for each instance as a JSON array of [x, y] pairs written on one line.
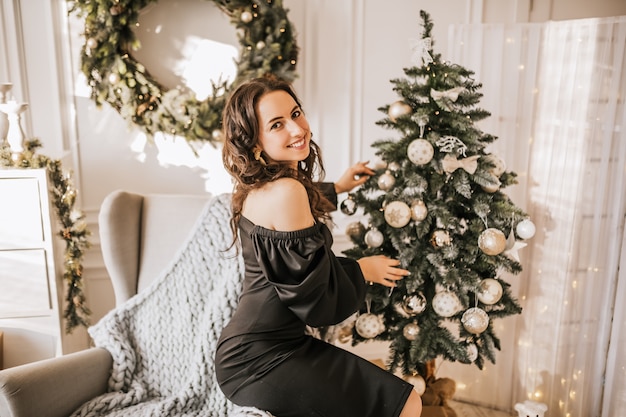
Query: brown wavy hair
[[241, 134]]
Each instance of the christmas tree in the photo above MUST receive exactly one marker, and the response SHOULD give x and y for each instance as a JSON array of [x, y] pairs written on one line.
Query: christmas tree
[[437, 205]]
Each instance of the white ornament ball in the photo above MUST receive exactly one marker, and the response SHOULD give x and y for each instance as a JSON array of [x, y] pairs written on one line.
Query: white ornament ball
[[475, 320], [525, 229], [374, 238], [386, 181], [397, 214], [418, 383], [446, 303], [472, 352], [492, 241], [260, 45], [418, 210], [393, 166], [399, 109], [420, 152], [246, 17], [489, 291], [411, 331], [114, 78], [91, 43], [217, 135], [369, 325]]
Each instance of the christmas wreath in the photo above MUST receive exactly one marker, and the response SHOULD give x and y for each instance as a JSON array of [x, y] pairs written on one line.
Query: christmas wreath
[[268, 46]]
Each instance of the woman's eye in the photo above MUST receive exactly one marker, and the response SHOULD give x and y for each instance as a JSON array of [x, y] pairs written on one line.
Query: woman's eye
[[276, 125], [296, 114]]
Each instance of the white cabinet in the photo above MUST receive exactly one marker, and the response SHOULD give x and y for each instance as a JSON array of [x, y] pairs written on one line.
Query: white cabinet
[[31, 269]]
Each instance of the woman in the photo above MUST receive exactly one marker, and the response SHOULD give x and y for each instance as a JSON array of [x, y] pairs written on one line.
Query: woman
[[292, 279]]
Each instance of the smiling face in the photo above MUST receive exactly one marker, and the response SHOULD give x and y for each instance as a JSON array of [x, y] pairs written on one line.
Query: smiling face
[[284, 133]]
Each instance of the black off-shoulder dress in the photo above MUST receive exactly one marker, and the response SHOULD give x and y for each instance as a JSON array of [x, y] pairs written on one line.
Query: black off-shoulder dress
[[264, 358]]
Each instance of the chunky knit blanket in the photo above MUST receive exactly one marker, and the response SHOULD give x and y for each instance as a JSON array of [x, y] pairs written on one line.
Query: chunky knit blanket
[[163, 340]]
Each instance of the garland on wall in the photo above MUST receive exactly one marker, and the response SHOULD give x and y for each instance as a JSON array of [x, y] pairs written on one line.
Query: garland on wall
[[73, 231], [268, 46]]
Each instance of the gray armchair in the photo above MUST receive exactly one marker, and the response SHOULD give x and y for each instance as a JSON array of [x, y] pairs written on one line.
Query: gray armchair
[[130, 227]]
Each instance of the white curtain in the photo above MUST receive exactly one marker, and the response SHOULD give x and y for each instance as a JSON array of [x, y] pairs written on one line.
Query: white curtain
[[556, 92]]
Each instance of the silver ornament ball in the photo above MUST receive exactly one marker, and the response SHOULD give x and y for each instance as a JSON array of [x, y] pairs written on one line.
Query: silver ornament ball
[[475, 320], [472, 352], [386, 181], [440, 238], [374, 238], [414, 304], [489, 291], [418, 210], [348, 206]]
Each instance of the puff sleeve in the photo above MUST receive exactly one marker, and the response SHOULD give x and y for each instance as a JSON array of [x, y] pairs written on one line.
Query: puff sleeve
[[318, 287]]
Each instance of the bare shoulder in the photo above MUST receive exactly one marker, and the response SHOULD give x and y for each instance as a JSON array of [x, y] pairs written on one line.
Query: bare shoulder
[[280, 205]]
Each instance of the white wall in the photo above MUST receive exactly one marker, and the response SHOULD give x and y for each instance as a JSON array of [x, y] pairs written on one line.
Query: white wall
[[350, 49]]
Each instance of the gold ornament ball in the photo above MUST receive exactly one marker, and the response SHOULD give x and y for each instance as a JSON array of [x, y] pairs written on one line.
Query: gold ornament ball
[[369, 325], [475, 320], [418, 383], [399, 109], [492, 241], [411, 331], [489, 291], [420, 152], [397, 214], [355, 231], [418, 210]]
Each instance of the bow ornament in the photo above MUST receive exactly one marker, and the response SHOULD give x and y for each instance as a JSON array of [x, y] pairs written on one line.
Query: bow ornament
[[445, 98], [451, 163], [421, 54]]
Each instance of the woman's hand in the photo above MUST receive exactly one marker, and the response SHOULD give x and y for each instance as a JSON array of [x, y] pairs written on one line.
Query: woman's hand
[[354, 176], [382, 270]]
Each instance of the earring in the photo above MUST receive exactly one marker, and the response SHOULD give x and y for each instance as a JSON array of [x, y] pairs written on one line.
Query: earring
[[258, 157]]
